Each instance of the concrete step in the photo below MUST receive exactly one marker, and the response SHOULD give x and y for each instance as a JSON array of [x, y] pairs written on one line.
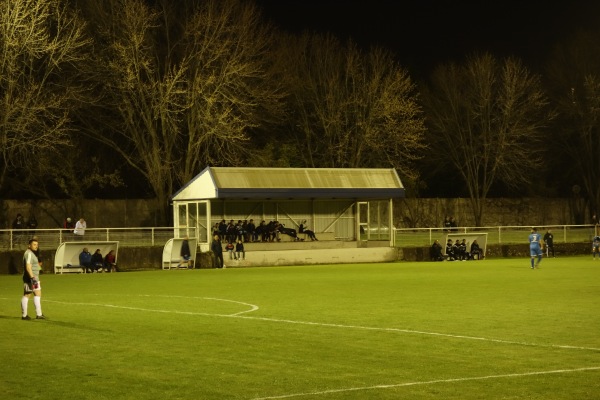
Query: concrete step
[[299, 245]]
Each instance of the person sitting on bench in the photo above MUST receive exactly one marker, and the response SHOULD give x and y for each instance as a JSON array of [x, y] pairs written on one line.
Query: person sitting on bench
[[97, 261], [308, 232], [288, 231], [476, 250], [85, 260], [110, 263], [450, 251]]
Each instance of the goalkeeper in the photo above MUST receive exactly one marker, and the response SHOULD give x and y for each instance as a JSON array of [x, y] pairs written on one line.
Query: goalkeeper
[[31, 281]]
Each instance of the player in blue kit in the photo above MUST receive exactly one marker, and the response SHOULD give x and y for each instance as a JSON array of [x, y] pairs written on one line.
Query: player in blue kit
[[596, 247], [535, 247]]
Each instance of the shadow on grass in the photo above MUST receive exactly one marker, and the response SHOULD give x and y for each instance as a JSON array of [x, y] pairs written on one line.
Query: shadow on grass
[[64, 324]]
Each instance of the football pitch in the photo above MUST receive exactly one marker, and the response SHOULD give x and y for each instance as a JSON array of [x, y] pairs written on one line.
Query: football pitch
[[492, 329]]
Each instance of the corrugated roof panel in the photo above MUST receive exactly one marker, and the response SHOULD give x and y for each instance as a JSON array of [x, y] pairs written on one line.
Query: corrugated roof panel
[[307, 178], [271, 183]]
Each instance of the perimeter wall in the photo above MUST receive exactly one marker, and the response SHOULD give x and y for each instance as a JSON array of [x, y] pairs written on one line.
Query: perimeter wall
[[409, 213]]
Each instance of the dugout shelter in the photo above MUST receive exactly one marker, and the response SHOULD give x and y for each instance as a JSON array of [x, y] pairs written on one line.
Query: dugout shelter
[[469, 237], [171, 257], [66, 259]]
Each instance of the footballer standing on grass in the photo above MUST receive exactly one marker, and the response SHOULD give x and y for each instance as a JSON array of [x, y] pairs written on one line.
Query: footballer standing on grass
[[535, 247], [31, 281]]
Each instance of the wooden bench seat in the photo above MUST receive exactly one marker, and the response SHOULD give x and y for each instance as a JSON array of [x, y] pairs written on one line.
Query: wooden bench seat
[[60, 269]]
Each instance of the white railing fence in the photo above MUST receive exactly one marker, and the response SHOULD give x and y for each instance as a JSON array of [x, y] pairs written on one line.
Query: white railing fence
[[417, 237], [14, 239]]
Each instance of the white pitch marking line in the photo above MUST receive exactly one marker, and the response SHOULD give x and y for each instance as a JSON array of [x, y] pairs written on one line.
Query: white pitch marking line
[[418, 333], [324, 324], [252, 306], [475, 378]]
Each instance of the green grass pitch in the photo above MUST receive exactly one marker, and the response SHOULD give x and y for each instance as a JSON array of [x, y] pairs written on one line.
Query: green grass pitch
[[492, 329]]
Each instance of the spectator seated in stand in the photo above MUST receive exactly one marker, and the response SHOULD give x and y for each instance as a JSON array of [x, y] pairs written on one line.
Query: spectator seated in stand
[[251, 232], [302, 229], [287, 231], [231, 250], [239, 250], [272, 231], [231, 232]]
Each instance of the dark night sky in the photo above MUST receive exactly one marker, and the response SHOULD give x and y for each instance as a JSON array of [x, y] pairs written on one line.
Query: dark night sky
[[425, 33]]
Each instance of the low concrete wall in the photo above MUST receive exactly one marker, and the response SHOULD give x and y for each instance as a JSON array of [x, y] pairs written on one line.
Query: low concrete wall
[[500, 251], [150, 258], [129, 259], [316, 256]]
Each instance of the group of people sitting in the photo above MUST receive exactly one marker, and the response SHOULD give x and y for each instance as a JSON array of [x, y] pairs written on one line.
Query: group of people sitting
[[457, 251], [247, 231], [96, 263]]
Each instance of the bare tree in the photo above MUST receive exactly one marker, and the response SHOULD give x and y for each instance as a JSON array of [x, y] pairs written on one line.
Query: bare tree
[[230, 89], [350, 108], [485, 119], [183, 84], [574, 77], [41, 45]]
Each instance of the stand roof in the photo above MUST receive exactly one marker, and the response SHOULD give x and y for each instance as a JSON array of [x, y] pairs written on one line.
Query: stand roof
[[293, 183]]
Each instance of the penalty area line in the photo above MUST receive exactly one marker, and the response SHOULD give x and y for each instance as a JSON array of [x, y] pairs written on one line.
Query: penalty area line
[[416, 332], [432, 382], [151, 309], [239, 314]]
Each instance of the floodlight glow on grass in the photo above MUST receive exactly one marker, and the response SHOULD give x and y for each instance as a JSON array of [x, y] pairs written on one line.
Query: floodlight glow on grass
[[490, 329]]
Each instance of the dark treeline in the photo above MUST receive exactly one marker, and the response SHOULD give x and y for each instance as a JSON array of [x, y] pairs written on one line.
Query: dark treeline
[[132, 98]]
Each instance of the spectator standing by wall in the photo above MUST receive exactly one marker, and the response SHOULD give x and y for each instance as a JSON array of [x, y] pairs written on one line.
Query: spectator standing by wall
[[216, 230], [447, 225], [32, 224], [549, 242], [453, 225], [80, 228], [217, 250], [31, 281], [68, 225], [18, 225]]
